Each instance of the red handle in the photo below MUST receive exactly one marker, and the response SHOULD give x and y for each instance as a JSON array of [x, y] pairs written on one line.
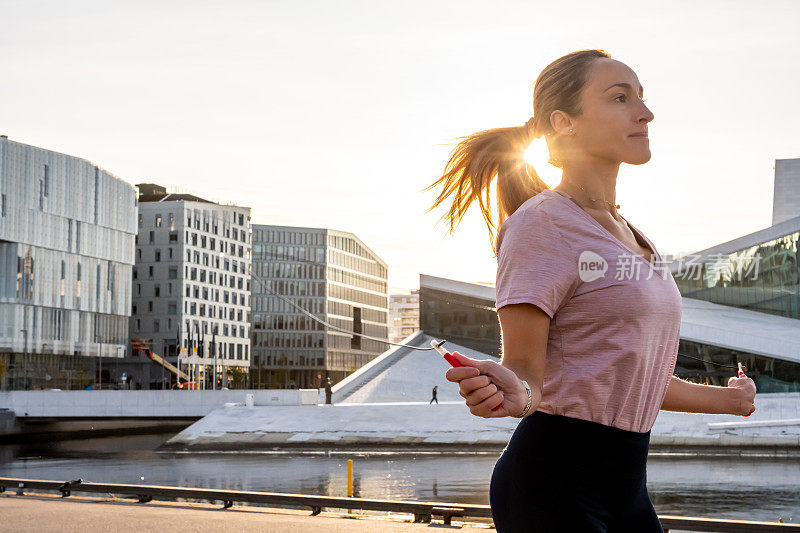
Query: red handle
[[454, 362]]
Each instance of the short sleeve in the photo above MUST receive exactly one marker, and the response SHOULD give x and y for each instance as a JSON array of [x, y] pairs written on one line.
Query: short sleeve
[[535, 262]]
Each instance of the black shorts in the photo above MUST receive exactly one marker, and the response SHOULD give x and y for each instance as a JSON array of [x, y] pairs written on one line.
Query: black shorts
[[563, 474]]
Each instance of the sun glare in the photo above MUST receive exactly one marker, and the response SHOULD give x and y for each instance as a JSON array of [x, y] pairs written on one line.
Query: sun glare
[[537, 155]]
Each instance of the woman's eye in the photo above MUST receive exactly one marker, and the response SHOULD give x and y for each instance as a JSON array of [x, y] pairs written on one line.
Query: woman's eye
[[623, 96]]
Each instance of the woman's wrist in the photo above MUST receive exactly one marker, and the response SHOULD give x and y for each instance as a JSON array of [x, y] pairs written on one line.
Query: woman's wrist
[[735, 401], [527, 408]]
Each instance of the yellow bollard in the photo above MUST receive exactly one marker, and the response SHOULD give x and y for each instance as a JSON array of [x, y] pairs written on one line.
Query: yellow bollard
[[349, 482]]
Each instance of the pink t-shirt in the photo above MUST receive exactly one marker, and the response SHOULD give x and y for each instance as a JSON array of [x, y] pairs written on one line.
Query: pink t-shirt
[[615, 316]]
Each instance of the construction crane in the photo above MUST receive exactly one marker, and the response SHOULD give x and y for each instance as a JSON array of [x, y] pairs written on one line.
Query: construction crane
[[137, 343]]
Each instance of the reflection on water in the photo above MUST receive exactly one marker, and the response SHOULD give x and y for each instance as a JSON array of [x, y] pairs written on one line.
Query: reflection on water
[[738, 488]]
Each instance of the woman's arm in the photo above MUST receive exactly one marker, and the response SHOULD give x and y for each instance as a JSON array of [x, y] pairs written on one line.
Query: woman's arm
[[686, 397], [484, 384]]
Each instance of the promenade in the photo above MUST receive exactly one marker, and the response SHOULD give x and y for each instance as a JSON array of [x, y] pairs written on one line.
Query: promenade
[[37, 512]]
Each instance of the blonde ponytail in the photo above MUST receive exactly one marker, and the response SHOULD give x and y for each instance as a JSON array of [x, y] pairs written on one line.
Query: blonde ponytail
[[481, 156]]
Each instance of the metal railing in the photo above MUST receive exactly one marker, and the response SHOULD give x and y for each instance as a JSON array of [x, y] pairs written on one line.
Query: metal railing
[[422, 511]]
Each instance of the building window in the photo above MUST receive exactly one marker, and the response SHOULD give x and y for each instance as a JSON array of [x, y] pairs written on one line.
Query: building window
[[158, 220], [156, 326], [173, 236], [150, 270], [152, 237], [172, 309], [46, 180], [158, 254], [3, 207], [173, 272], [140, 220], [157, 290], [150, 306]]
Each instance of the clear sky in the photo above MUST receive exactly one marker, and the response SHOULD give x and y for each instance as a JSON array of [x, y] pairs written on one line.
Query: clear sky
[[338, 114]]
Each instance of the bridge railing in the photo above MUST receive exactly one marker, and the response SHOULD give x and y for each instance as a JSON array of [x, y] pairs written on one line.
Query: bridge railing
[[422, 511]]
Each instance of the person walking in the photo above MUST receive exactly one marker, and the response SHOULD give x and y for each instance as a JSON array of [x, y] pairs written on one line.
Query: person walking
[[590, 319], [328, 391], [434, 398]]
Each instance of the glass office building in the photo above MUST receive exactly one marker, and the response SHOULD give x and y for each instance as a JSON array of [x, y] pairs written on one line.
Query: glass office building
[[67, 231], [461, 312], [762, 276], [330, 275]]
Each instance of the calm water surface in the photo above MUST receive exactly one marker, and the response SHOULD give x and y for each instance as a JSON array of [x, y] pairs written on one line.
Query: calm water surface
[[749, 488]]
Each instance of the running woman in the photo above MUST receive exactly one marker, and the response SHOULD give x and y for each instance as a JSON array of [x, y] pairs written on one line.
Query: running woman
[[590, 318]]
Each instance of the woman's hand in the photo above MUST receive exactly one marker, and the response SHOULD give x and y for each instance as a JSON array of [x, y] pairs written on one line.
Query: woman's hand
[[745, 390], [485, 384]]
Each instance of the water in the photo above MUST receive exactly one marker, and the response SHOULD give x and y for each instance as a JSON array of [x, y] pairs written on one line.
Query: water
[[762, 488]]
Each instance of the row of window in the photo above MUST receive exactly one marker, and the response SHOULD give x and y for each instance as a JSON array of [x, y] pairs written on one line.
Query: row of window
[[227, 330], [25, 279], [270, 303], [288, 340], [287, 237], [266, 269], [201, 275], [197, 217], [278, 252], [367, 266], [203, 293]]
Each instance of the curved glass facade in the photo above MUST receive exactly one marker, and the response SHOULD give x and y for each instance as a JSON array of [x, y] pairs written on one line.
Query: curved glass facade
[[764, 278], [769, 374], [469, 321]]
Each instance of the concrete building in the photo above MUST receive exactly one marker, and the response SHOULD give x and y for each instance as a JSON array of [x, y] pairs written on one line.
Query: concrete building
[[191, 288], [403, 315], [786, 199], [67, 231], [335, 277]]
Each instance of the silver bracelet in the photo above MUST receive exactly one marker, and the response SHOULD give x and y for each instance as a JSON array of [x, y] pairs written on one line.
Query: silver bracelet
[[528, 405]]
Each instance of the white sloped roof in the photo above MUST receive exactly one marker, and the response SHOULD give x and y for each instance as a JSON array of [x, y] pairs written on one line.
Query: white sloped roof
[[741, 329]]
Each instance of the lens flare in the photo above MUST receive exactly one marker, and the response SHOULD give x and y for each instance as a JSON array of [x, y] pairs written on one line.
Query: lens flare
[[537, 155]]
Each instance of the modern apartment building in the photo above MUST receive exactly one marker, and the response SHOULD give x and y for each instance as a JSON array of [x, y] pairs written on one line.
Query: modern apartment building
[[403, 315], [67, 231], [333, 276], [191, 288]]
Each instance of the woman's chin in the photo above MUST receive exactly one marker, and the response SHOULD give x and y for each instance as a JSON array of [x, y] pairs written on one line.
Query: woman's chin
[[639, 159]]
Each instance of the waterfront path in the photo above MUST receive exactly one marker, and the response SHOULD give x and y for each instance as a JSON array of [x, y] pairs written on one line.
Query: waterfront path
[[36, 512]]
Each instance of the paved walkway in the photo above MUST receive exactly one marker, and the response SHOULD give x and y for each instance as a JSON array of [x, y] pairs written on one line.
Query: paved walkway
[[78, 514]]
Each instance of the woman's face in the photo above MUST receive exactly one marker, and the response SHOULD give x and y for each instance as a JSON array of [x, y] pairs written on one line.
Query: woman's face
[[613, 125]]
